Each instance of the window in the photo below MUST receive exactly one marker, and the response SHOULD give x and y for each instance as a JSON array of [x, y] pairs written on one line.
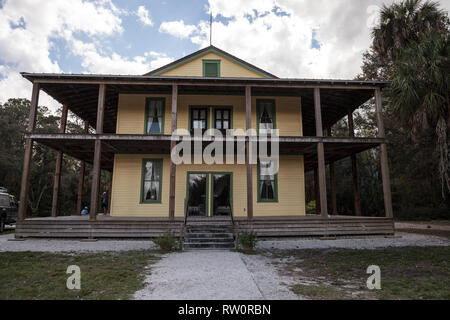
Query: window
[[154, 123], [199, 119], [223, 119], [211, 68], [267, 182], [266, 115], [151, 180]]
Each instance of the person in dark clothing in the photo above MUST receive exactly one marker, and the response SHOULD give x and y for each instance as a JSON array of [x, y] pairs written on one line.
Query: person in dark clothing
[[104, 202]]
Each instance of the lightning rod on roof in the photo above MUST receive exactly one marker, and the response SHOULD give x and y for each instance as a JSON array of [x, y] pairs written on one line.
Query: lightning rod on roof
[[210, 27]]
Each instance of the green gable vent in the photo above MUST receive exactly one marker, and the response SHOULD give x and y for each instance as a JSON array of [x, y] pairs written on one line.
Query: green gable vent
[[211, 68]]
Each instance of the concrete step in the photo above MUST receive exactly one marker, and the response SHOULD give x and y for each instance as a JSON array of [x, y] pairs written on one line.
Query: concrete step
[[208, 240], [208, 245], [215, 229], [196, 235]]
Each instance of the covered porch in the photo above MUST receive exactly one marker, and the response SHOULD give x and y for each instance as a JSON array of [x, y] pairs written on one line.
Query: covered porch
[[94, 99]]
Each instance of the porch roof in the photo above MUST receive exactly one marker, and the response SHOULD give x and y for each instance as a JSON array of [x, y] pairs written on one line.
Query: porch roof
[[80, 92], [81, 146]]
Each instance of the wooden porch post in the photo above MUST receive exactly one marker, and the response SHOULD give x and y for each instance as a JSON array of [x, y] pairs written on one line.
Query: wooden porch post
[[321, 155], [59, 159], [332, 183], [81, 176], [248, 121], [316, 190], [110, 192], [97, 154], [356, 183], [173, 167], [383, 157], [28, 154]]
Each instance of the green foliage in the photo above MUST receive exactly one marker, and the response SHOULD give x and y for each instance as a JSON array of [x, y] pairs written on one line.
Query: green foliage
[[13, 124], [247, 240], [168, 242]]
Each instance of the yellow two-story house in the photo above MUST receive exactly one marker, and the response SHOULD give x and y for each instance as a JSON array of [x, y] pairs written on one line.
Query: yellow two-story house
[[135, 126]]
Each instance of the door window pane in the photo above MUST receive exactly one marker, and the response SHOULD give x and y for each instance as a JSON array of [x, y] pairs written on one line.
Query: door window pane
[[197, 201], [266, 110]]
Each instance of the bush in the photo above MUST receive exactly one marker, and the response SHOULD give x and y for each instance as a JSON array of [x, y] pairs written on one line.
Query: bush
[[168, 242], [247, 240]]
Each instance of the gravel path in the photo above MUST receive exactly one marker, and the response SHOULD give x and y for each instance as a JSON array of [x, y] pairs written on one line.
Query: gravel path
[[57, 245], [404, 240], [213, 275]]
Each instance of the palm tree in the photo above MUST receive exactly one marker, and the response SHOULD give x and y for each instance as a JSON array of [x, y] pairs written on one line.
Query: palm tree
[[419, 93], [404, 23]]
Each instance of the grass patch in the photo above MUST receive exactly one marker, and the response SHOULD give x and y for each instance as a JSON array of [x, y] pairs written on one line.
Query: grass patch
[[38, 276], [406, 273]]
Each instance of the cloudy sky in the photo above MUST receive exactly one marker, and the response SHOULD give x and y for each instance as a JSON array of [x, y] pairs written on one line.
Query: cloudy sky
[[290, 38]]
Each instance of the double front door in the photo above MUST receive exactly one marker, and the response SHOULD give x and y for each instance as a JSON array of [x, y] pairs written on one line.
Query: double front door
[[209, 194]]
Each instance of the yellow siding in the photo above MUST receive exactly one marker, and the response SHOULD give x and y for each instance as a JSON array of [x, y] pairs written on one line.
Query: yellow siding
[[288, 114], [291, 190], [126, 189], [131, 112], [228, 68]]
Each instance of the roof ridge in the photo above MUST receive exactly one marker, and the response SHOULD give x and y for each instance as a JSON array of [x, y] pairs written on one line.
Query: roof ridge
[[204, 51]]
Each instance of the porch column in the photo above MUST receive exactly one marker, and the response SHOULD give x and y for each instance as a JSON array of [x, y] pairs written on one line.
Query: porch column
[[332, 184], [356, 183], [59, 159], [248, 121], [97, 154], [110, 192], [81, 176], [316, 190], [173, 167], [320, 155], [383, 156], [28, 154]]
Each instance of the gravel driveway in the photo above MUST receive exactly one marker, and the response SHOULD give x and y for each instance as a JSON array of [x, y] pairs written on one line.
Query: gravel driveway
[[58, 245]]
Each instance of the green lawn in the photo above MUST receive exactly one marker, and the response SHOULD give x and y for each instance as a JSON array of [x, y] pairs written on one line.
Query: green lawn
[[106, 275], [406, 273]]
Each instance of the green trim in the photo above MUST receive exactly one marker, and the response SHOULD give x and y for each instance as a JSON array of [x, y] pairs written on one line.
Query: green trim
[[207, 188], [208, 120], [230, 108], [274, 113], [142, 201], [275, 191], [163, 114], [212, 189], [216, 62], [212, 50]]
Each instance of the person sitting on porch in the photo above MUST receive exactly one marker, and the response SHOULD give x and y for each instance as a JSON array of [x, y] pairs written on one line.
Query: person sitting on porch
[[85, 211]]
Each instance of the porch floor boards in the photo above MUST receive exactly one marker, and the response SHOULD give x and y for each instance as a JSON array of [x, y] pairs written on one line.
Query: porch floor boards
[[144, 227]]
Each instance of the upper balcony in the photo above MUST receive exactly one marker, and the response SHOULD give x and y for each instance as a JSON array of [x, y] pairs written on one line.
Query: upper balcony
[[300, 109]]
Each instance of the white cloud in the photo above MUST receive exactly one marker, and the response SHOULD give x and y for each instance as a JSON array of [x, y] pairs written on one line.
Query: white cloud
[[177, 28], [95, 61], [276, 35], [27, 47], [143, 15]]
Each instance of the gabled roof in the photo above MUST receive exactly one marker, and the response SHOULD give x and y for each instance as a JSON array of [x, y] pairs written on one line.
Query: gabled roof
[[207, 50]]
